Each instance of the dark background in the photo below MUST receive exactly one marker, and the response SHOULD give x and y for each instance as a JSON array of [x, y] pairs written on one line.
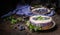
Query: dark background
[[6, 6], [10, 5]]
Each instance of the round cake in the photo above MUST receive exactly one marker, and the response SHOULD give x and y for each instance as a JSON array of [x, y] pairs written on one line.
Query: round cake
[[41, 10], [43, 22]]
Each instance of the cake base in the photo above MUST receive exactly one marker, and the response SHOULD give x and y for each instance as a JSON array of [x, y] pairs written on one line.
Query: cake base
[[43, 28]]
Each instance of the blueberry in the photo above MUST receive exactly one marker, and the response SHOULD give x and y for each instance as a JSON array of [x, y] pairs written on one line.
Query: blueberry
[[21, 28], [18, 25], [34, 18], [15, 27]]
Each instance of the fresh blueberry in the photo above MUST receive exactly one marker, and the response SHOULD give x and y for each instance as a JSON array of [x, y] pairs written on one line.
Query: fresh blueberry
[[18, 25], [15, 27], [34, 18], [21, 28]]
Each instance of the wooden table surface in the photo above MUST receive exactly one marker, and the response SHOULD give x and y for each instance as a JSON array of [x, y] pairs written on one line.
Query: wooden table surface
[[4, 29]]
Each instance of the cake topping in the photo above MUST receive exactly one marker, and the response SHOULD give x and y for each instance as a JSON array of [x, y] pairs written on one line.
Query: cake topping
[[40, 19]]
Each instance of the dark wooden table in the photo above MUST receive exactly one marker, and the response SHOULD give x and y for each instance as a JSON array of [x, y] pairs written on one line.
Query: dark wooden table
[[5, 30]]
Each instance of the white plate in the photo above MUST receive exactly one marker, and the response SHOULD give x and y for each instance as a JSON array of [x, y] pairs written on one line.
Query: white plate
[[53, 25]]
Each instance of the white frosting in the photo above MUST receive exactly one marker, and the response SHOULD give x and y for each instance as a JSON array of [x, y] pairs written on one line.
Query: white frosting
[[39, 21], [40, 8]]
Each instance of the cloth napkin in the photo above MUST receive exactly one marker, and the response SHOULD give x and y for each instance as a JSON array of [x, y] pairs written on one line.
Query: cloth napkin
[[25, 10]]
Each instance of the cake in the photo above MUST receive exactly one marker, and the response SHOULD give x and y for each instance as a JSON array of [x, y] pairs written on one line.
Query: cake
[[42, 22], [41, 10]]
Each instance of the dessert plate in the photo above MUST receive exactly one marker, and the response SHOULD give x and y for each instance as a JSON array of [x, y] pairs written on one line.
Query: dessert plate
[[48, 28], [53, 25]]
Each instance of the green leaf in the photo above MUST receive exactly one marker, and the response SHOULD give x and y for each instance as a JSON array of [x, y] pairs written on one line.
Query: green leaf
[[40, 18], [35, 29], [13, 21], [11, 26], [27, 23], [31, 29], [40, 28], [19, 19]]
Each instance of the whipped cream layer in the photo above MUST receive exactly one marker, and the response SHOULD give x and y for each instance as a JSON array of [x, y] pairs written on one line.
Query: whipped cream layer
[[39, 21]]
